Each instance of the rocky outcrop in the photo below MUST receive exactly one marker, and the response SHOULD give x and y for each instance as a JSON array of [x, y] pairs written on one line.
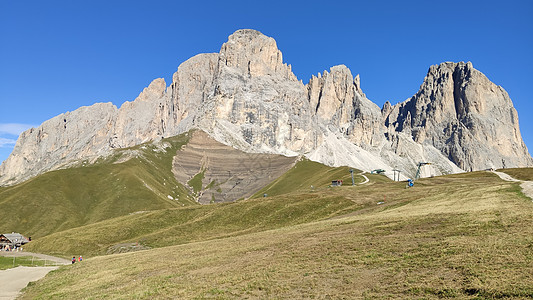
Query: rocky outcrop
[[79, 135], [246, 97], [251, 53], [256, 103], [338, 101], [464, 115]]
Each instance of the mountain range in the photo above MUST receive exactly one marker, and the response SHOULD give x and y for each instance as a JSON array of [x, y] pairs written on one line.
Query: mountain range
[[248, 99]]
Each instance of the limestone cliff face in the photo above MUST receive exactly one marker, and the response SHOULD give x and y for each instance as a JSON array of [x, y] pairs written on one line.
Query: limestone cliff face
[[245, 96], [250, 52], [78, 135], [191, 85], [338, 101], [469, 119], [143, 119], [256, 103]]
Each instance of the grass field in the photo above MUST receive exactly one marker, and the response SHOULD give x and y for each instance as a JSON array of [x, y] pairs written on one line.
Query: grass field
[[63, 199], [308, 176], [12, 262], [184, 225], [520, 173], [466, 236]]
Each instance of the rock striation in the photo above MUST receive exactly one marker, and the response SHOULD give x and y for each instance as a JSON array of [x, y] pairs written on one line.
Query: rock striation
[[222, 173], [246, 97]]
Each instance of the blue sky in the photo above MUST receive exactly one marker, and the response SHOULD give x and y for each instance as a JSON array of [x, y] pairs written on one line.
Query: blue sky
[[56, 56]]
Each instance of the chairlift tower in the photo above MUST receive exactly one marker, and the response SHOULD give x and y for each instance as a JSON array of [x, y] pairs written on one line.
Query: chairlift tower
[[351, 171]]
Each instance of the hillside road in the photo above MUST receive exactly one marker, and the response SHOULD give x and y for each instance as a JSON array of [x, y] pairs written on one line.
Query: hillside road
[[15, 279]]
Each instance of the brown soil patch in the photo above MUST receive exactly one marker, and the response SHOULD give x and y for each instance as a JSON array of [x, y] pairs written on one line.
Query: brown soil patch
[[228, 174]]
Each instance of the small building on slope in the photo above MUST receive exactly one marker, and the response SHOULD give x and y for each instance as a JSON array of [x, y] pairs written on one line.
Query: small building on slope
[[12, 239]]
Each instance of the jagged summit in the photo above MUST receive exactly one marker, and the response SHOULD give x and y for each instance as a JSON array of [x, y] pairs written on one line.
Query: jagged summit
[[254, 54], [467, 117], [246, 97]]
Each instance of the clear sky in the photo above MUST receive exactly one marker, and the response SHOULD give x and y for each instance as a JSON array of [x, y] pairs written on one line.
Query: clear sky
[[56, 56]]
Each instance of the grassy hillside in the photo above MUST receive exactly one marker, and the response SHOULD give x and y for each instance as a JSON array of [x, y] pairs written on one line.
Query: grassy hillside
[[184, 225], [520, 173], [63, 199], [307, 176], [132, 180], [466, 236]]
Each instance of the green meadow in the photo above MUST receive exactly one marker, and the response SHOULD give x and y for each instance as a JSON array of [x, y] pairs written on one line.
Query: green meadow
[[466, 236]]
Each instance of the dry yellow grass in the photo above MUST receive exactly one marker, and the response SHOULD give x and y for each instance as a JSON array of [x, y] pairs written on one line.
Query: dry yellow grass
[[520, 173], [464, 236]]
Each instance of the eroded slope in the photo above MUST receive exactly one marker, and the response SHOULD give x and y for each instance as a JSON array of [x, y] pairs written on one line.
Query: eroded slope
[[219, 173]]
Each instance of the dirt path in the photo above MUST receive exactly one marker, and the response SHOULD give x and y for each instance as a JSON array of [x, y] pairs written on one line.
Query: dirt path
[[364, 176], [14, 280], [527, 186]]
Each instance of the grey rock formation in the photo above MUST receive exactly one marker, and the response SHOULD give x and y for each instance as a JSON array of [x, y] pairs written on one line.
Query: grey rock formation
[[246, 97], [464, 115], [256, 103], [338, 101], [69, 137]]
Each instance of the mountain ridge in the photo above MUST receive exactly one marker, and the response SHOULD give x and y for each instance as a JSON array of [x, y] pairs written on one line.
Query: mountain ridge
[[246, 97]]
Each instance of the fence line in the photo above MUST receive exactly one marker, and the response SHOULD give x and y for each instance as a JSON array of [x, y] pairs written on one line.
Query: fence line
[[34, 261]]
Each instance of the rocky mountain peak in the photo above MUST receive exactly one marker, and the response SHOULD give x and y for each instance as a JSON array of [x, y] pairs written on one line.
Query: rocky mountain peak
[[357, 82], [328, 92], [247, 35], [253, 53], [156, 89], [247, 98], [339, 102], [467, 117]]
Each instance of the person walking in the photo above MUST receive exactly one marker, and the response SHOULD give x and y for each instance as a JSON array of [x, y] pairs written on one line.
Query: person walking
[[73, 259]]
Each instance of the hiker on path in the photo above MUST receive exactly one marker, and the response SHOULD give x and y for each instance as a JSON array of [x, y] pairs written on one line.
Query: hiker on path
[[80, 259], [73, 259]]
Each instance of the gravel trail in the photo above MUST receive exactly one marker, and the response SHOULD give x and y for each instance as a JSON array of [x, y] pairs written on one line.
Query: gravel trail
[[15, 279], [527, 186]]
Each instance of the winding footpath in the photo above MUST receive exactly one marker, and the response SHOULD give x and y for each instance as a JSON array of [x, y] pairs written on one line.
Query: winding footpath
[[527, 186], [364, 176], [14, 280]]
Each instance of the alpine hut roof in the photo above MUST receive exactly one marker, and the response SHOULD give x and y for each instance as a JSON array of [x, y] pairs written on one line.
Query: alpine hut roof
[[13, 238]]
